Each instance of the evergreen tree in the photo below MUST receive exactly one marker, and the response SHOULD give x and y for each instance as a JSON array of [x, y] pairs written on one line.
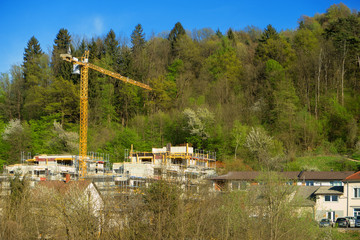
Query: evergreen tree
[[62, 43], [269, 32], [111, 44], [137, 38], [218, 33], [273, 46], [230, 34], [12, 93], [175, 34], [31, 65], [139, 64]]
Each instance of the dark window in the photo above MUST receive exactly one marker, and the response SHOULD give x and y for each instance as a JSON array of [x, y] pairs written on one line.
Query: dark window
[[309, 183], [331, 198], [235, 185], [157, 171], [356, 192]]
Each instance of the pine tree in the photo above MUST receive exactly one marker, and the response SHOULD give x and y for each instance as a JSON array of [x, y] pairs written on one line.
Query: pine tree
[[174, 36], [137, 38], [111, 44], [269, 32], [32, 55], [62, 44], [218, 33], [230, 34]]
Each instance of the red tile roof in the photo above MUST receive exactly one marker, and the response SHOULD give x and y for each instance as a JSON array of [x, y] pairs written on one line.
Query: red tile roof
[[353, 177]]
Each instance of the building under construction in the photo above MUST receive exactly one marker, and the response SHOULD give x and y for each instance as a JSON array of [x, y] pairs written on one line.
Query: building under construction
[[182, 164]]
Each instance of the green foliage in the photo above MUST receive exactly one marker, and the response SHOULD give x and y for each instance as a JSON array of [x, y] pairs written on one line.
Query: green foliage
[[137, 38], [62, 98], [337, 120], [41, 134], [274, 46], [288, 83], [62, 45], [16, 134], [238, 134], [176, 32], [268, 152], [18, 190]]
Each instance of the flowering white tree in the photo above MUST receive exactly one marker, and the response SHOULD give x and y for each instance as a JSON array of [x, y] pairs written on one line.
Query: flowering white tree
[[267, 150], [199, 122], [16, 134]]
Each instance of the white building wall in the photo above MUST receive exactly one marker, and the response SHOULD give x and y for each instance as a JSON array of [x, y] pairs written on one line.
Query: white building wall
[[322, 207], [159, 150], [139, 170], [353, 202]]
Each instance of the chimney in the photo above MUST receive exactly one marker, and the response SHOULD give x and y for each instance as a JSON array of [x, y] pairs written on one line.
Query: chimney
[[67, 178]]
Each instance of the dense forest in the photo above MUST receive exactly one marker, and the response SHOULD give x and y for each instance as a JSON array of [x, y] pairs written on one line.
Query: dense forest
[[259, 98]]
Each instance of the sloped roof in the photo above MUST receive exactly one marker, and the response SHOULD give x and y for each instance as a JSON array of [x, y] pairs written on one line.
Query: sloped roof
[[353, 177], [306, 194], [247, 175], [322, 175], [330, 190], [63, 187], [303, 175], [252, 175]]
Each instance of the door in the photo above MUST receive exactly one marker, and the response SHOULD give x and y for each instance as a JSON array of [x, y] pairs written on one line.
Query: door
[[331, 215]]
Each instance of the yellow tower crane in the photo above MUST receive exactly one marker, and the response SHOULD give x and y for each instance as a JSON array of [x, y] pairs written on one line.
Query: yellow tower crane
[[84, 65]]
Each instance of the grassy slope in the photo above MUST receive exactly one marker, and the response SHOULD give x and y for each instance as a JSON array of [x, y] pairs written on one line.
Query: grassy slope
[[322, 163]]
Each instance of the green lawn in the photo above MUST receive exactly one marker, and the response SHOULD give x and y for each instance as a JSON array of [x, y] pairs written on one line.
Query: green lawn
[[322, 163]]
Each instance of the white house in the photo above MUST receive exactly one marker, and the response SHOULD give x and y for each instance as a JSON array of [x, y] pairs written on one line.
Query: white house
[[330, 202], [352, 194]]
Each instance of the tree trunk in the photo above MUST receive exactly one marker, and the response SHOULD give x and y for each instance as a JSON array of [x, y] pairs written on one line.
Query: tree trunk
[[343, 74], [317, 92]]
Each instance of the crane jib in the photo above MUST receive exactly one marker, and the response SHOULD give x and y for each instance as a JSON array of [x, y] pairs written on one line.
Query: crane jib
[[81, 66]]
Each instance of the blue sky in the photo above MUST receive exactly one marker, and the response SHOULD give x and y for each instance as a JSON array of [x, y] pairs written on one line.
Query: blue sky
[[20, 20]]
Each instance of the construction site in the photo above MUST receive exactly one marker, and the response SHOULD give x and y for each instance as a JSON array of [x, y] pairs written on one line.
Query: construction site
[[183, 164]]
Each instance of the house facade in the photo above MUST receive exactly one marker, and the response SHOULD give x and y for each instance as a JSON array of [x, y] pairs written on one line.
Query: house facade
[[352, 194], [330, 202], [239, 180], [331, 194]]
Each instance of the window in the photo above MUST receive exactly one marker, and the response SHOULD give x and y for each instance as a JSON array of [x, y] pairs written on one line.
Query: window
[[157, 171], [336, 183], [356, 192], [139, 183], [235, 185], [309, 183], [243, 185], [331, 198], [357, 212]]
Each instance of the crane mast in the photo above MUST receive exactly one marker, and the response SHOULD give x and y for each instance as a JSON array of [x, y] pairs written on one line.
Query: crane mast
[[84, 65]]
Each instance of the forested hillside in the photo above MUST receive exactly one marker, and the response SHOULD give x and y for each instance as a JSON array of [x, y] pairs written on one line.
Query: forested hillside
[[258, 97]]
